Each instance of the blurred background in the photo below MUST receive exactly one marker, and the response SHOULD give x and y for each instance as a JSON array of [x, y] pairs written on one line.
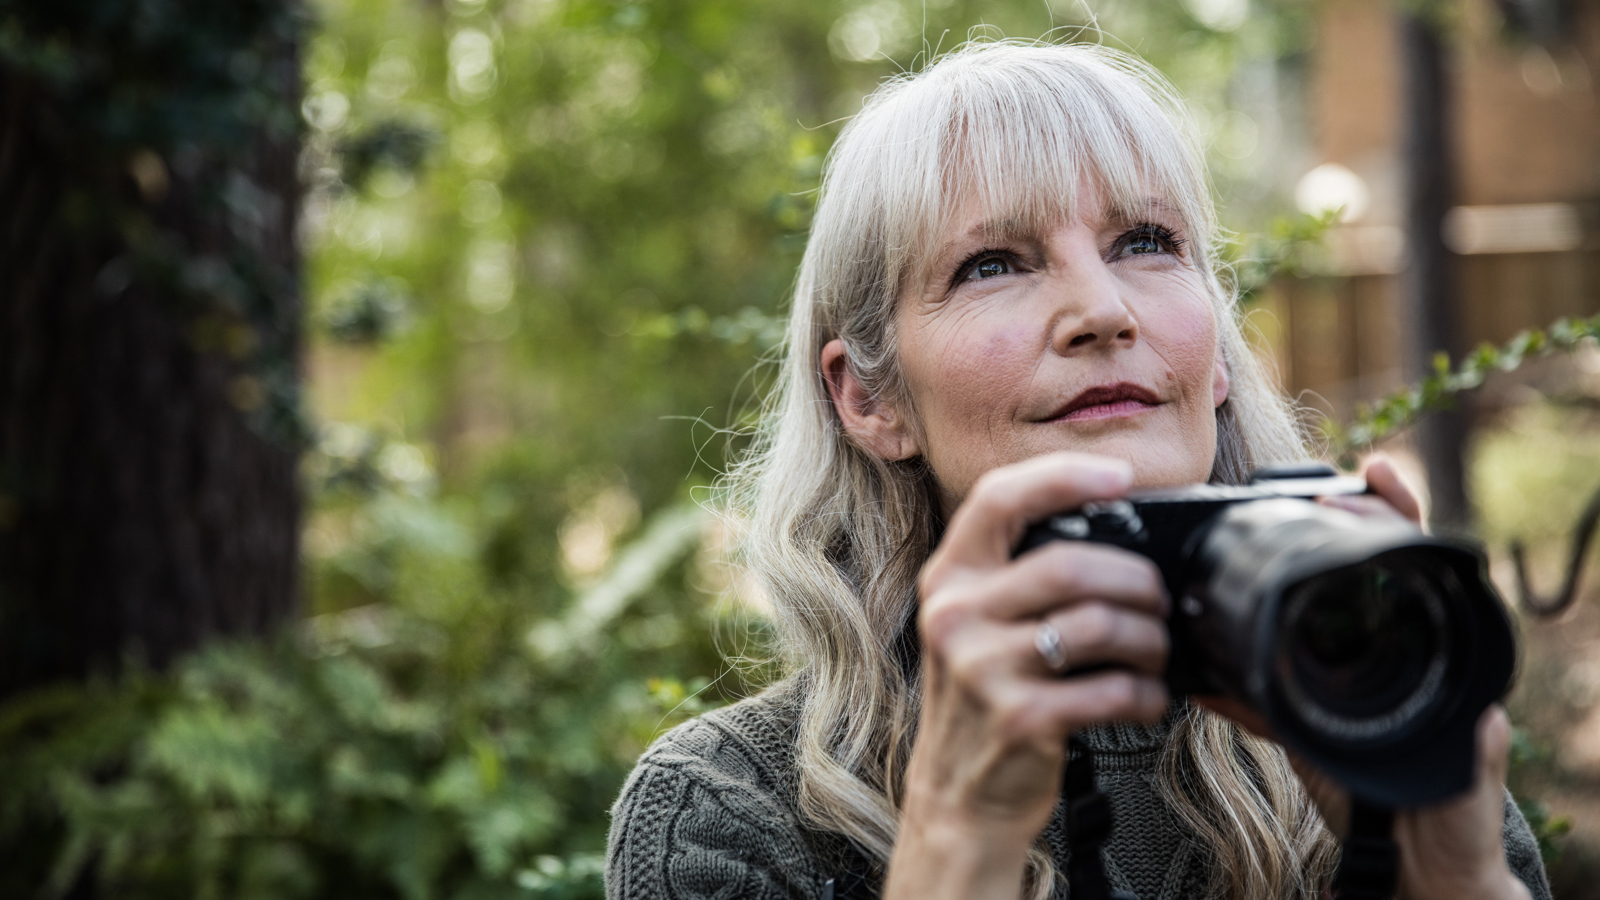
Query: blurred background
[[367, 365]]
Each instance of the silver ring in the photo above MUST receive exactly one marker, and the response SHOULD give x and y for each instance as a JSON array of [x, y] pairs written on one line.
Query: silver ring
[[1047, 640]]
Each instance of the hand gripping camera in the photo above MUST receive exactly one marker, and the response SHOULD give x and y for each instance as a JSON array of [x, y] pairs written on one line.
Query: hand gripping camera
[[1369, 647]]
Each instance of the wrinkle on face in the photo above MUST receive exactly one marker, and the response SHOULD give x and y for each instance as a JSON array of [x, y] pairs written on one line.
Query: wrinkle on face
[[979, 360]]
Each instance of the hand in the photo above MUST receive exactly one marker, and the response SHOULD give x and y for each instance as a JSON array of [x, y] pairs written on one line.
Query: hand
[[1391, 498], [984, 774], [1452, 850]]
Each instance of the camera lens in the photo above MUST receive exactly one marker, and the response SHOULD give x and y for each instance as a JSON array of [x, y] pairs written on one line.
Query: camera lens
[[1363, 650]]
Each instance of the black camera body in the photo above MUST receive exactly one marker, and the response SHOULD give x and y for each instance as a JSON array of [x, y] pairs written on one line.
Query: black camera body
[[1370, 647]]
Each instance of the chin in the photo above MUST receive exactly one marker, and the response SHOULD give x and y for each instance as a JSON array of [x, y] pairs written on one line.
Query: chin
[[1161, 461]]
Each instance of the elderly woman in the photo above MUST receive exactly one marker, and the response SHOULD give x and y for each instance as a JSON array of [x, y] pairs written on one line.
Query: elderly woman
[[1009, 306]]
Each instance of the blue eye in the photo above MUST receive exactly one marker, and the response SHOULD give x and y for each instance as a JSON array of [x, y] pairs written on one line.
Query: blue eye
[[988, 267], [1144, 243], [1151, 239]]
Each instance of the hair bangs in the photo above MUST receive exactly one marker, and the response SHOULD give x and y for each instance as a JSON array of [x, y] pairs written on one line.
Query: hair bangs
[[1011, 141]]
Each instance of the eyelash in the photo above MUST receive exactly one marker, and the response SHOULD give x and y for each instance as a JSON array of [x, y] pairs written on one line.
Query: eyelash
[[1161, 233]]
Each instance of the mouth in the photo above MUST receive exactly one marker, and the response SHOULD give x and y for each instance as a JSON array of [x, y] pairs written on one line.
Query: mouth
[[1107, 401]]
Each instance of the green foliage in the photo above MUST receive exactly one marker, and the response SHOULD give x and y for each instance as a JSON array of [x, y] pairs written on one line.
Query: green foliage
[[1436, 391], [1284, 248], [447, 744]]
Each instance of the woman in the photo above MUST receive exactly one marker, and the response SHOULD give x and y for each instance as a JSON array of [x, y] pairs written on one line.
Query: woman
[[1009, 306]]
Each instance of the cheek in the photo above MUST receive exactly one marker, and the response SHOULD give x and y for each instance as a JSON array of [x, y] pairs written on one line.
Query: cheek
[[1186, 337], [965, 374], [968, 368]]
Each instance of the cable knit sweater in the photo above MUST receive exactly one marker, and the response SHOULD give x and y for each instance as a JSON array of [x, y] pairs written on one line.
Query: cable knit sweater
[[710, 813]]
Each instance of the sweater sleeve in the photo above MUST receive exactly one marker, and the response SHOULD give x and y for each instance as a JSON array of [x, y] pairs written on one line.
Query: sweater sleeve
[[699, 818], [1522, 852]]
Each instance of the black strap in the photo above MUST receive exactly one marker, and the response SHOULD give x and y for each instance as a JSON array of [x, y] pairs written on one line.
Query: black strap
[[1369, 864], [1088, 827]]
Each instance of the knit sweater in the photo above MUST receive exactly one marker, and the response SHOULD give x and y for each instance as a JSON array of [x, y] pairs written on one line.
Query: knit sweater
[[710, 813]]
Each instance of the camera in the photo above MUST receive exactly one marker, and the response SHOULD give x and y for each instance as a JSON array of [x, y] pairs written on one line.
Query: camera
[[1369, 647]]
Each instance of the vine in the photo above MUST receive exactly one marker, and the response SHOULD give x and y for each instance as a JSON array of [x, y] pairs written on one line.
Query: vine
[[1438, 390], [1401, 409]]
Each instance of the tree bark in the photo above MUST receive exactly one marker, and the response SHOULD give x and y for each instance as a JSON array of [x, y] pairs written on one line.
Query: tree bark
[[144, 505], [1428, 285]]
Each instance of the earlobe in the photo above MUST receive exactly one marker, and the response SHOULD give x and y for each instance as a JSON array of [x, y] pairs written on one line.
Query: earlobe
[[1219, 382], [872, 424]]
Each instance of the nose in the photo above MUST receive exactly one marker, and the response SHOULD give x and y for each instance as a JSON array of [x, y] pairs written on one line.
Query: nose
[[1090, 311]]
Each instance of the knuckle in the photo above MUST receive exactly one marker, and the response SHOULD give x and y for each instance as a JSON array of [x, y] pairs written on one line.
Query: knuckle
[[969, 664], [942, 617], [1013, 715]]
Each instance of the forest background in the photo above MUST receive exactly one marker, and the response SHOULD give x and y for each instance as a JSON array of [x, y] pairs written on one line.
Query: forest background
[[547, 245]]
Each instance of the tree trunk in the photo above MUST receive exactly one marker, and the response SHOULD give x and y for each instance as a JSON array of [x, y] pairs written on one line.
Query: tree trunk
[[149, 335], [1428, 283]]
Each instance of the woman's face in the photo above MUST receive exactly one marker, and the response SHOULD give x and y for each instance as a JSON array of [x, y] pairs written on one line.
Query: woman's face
[[1095, 336]]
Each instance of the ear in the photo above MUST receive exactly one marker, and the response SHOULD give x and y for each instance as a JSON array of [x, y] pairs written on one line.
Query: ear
[[1219, 381], [874, 425]]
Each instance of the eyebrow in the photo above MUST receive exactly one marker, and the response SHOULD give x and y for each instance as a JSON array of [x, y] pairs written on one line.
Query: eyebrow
[[1117, 212]]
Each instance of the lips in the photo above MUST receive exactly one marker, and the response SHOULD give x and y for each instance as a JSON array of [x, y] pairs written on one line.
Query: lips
[[1107, 401]]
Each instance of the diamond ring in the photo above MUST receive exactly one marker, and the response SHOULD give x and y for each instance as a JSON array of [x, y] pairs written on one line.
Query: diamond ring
[[1047, 640]]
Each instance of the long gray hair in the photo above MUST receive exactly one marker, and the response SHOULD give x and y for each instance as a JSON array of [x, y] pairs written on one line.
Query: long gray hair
[[836, 535]]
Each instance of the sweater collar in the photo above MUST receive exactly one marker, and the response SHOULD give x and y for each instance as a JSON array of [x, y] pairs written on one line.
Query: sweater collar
[[1132, 737]]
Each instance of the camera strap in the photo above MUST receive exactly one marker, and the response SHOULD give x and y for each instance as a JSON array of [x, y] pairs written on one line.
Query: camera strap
[[1088, 827], [1369, 861]]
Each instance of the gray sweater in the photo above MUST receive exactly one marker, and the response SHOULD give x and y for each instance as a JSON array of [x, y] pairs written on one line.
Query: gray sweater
[[710, 813]]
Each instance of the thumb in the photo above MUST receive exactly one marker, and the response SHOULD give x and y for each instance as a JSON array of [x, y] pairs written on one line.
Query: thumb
[[1494, 745]]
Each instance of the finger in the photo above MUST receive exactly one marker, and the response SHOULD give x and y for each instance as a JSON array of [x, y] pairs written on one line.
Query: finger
[[1064, 572], [1095, 634], [1366, 506], [990, 521], [1494, 745], [1385, 480], [1061, 707]]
